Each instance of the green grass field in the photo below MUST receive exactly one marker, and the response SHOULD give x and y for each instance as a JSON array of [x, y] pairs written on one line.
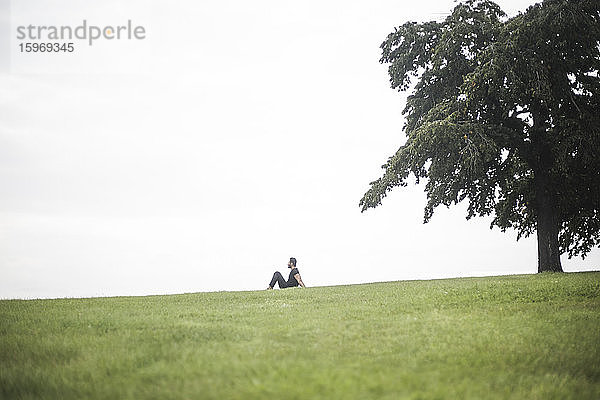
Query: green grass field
[[511, 337]]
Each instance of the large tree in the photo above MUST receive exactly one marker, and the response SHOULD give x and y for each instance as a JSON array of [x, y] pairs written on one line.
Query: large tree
[[504, 113]]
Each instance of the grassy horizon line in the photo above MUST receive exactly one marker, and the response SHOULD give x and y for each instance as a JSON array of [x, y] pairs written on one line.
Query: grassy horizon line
[[316, 286]]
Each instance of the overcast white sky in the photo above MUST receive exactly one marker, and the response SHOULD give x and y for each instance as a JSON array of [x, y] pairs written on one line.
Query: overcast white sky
[[236, 135]]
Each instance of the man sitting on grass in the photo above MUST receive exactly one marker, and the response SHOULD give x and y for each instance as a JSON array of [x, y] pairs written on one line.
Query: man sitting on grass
[[293, 280]]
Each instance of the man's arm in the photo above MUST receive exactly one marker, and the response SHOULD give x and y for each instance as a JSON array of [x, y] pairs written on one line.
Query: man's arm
[[299, 280]]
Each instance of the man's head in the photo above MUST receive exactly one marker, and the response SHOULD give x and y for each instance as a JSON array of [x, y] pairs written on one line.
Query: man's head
[[292, 263]]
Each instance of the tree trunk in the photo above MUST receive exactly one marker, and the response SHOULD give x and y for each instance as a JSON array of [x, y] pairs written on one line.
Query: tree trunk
[[547, 238], [545, 193], [547, 226]]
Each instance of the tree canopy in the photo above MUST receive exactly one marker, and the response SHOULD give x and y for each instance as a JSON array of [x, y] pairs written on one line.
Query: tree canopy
[[505, 114]]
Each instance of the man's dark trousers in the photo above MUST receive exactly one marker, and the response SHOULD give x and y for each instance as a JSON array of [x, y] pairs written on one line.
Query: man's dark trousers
[[277, 277]]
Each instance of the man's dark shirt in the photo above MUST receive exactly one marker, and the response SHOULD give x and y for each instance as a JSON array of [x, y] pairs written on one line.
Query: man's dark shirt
[[291, 280]]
